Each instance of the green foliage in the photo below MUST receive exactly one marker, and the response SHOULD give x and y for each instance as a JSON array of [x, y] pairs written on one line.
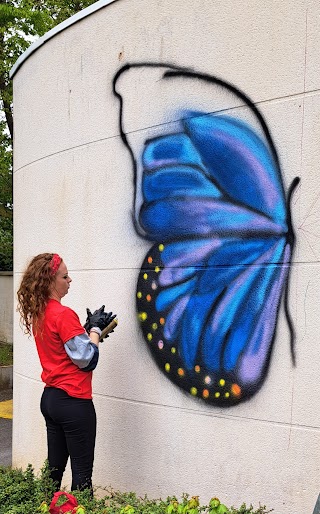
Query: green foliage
[[216, 507], [6, 354], [6, 243], [21, 22], [21, 492], [249, 510], [6, 223]]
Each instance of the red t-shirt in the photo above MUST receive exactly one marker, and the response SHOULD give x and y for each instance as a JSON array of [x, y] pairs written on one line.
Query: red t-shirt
[[59, 325]]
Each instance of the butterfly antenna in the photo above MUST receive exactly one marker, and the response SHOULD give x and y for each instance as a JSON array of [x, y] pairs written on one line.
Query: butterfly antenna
[[291, 236], [291, 242], [290, 324]]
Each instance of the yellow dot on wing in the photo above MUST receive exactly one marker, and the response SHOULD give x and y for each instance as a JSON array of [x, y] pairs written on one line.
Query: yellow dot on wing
[[139, 294], [143, 316], [193, 391], [222, 382], [205, 393], [157, 269], [148, 298], [180, 372], [173, 350], [149, 337], [197, 368], [154, 326], [161, 247], [145, 276], [167, 367], [217, 394]]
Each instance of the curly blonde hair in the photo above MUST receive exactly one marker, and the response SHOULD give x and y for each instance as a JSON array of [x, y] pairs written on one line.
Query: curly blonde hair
[[34, 291]]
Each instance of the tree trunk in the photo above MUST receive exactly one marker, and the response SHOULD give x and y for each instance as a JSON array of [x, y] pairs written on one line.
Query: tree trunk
[[4, 84]]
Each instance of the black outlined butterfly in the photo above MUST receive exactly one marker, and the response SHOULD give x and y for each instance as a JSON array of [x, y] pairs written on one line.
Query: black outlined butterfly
[[210, 288]]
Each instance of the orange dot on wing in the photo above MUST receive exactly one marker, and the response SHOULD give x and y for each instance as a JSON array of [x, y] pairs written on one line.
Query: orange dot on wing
[[236, 389], [150, 259], [205, 393], [180, 372], [161, 321], [148, 297]]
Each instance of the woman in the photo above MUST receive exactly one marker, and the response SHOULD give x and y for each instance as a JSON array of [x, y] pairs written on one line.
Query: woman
[[68, 353]]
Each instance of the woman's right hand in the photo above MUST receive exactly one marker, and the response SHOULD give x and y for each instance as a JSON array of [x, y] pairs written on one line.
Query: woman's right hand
[[98, 319]]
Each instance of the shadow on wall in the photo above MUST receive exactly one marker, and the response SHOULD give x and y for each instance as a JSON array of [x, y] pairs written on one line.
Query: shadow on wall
[[209, 196]]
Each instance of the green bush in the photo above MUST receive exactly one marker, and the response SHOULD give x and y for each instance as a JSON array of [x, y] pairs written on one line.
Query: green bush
[[6, 354], [6, 243], [22, 492]]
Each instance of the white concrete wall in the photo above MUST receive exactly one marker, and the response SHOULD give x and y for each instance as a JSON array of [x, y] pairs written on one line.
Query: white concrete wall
[[74, 195], [6, 307]]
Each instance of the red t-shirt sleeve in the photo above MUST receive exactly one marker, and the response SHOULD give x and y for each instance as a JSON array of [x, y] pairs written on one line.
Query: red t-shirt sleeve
[[68, 325]]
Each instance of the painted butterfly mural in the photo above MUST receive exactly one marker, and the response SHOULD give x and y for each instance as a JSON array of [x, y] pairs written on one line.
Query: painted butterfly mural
[[212, 203]]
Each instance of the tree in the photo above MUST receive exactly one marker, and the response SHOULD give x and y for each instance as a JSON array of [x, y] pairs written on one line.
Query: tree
[[21, 22]]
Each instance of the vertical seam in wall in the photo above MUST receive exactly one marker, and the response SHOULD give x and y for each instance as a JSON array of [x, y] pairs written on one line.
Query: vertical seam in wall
[[301, 159], [304, 88], [304, 85], [300, 172]]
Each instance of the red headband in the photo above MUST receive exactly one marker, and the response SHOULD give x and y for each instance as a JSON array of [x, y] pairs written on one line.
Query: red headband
[[55, 263]]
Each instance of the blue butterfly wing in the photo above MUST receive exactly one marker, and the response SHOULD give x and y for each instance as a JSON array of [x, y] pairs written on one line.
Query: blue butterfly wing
[[174, 217], [214, 203], [240, 162], [253, 362], [238, 335]]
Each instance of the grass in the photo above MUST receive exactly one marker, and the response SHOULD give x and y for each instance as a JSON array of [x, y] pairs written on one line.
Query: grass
[[6, 354]]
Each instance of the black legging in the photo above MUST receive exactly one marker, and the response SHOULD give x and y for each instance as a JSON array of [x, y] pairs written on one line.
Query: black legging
[[71, 431]]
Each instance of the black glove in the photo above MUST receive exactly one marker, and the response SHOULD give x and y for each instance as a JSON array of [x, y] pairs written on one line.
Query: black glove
[[98, 319]]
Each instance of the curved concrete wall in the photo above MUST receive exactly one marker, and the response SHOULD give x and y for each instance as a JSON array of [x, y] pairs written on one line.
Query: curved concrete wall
[[75, 194]]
